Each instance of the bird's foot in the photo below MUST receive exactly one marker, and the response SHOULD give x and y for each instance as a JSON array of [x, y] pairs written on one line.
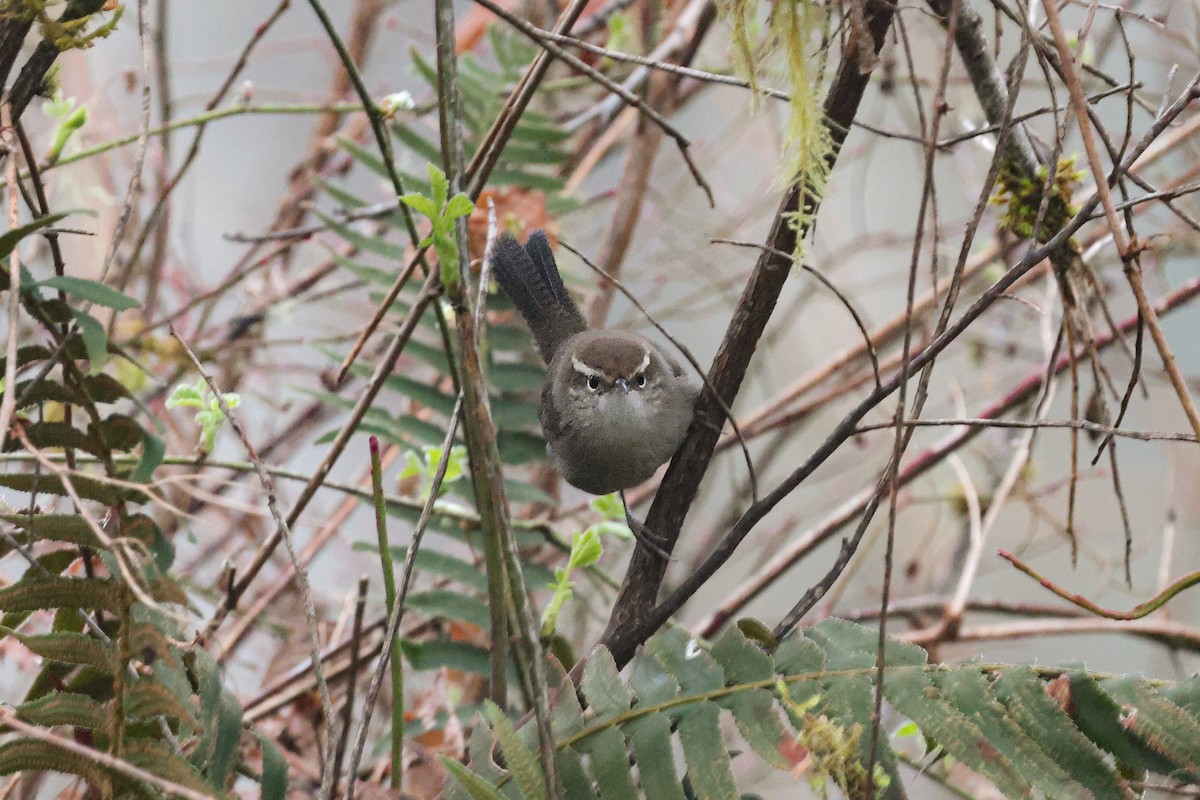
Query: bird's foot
[[645, 537]]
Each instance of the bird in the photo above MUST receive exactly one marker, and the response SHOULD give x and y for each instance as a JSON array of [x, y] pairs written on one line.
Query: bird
[[614, 406]]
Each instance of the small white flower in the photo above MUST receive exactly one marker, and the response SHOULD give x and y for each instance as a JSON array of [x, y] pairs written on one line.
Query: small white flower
[[400, 101]]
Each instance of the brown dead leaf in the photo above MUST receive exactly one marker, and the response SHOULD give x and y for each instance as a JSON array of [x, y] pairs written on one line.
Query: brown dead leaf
[[518, 211], [1059, 690]]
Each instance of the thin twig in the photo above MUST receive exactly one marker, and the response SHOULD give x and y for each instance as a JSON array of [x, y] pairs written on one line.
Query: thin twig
[[383, 369], [903, 437], [634, 615], [389, 597], [8, 403], [849, 510], [1137, 612], [139, 159], [384, 142], [654, 63], [356, 637], [161, 203], [479, 431], [125, 561], [1076, 424], [475, 175], [608, 83], [283, 531], [1128, 253], [851, 421], [1174, 634], [828, 284], [397, 612]]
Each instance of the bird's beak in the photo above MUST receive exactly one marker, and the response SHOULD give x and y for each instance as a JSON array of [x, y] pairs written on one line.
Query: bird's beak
[[623, 385]]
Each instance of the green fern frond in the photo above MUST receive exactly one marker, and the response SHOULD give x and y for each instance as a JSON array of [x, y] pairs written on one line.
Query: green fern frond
[[1054, 733]]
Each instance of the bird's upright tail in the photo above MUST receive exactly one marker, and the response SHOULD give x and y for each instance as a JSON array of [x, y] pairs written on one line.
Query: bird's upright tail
[[529, 276]]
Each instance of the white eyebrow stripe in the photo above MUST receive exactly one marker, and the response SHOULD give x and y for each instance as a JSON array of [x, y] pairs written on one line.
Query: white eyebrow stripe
[[645, 363], [586, 370]]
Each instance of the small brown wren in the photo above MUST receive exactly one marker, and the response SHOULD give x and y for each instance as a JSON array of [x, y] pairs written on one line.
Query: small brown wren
[[614, 406]]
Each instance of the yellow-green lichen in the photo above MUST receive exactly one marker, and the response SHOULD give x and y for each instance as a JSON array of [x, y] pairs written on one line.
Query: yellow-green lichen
[[799, 28]]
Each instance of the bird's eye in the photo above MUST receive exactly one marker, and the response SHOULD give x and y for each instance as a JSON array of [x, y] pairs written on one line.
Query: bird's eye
[[593, 382], [640, 379]]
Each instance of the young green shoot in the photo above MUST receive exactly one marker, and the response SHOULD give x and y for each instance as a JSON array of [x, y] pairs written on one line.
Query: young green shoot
[[210, 416]]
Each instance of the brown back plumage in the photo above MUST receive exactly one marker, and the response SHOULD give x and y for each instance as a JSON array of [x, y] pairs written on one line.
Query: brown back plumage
[[529, 276]]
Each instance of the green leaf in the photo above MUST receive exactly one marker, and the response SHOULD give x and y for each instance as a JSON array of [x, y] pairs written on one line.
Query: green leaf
[[1101, 719], [757, 719], [344, 198], [566, 716], [10, 239], [22, 755], [368, 244], [67, 647], [520, 447], [188, 396], [477, 787], [364, 157], [159, 759], [608, 506], [372, 275], [1029, 705], [420, 203], [432, 561], [228, 734], [94, 291], [651, 741], [1161, 725], [56, 527], [602, 686], [650, 682], [682, 656], [420, 146], [707, 759], [207, 678], [451, 605], [522, 492], [88, 488], [967, 691], [423, 393], [522, 764], [742, 660], [576, 782], [274, 773], [586, 548], [912, 695], [441, 188], [154, 450], [459, 206], [95, 339], [525, 179], [147, 699], [65, 708], [610, 764], [437, 653], [515, 377], [34, 592]]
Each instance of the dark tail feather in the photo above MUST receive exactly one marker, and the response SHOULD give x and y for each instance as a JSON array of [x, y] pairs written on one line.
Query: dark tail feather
[[538, 247], [529, 276]]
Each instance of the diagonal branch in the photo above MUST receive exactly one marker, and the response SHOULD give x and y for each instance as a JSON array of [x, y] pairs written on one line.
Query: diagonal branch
[[627, 630], [629, 624]]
